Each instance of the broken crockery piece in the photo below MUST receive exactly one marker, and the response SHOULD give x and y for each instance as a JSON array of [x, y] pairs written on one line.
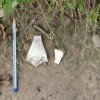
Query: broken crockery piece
[[37, 54], [59, 53]]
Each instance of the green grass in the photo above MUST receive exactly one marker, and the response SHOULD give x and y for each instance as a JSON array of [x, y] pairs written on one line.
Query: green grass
[[77, 10], [76, 7], [7, 4]]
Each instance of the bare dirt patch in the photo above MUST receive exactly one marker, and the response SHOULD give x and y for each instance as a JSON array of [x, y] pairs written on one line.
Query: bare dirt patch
[[76, 78]]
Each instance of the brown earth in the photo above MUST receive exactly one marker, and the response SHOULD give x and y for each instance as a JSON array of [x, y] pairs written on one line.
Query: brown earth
[[76, 78]]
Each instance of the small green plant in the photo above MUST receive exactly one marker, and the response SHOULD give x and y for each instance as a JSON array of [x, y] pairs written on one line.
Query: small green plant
[[79, 9], [92, 17], [75, 8], [7, 4]]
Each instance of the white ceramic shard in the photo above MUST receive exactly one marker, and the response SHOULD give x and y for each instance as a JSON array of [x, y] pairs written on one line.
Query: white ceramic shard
[[58, 55], [37, 54]]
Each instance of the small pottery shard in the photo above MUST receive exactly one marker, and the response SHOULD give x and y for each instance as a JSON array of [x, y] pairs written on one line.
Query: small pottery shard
[[58, 55], [37, 54]]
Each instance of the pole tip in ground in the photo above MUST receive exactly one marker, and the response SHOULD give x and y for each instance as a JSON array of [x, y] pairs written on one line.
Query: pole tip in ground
[[15, 90]]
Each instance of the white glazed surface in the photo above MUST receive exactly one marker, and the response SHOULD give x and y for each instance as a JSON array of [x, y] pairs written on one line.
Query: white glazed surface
[[58, 55], [37, 54]]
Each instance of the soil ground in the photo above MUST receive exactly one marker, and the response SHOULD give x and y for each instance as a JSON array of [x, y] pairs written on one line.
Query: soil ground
[[76, 78]]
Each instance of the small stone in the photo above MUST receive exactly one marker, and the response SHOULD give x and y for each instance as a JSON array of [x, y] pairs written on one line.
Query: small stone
[[38, 89], [96, 40]]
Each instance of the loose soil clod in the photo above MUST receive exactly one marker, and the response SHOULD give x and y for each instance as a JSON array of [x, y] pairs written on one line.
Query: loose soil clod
[[5, 80]]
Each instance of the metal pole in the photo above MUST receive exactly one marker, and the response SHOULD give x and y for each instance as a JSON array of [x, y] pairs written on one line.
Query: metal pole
[[15, 78]]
